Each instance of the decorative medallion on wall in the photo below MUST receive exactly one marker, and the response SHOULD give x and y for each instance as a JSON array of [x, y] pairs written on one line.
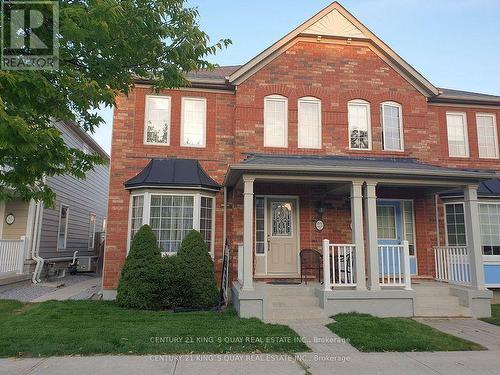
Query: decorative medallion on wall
[[319, 225], [10, 218]]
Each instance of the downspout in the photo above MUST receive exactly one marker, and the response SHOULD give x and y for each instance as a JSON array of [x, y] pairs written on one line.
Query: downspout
[[35, 243], [224, 230], [438, 235]]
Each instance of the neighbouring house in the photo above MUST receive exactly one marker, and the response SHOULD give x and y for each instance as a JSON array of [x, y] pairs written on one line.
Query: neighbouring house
[[326, 140], [36, 241]]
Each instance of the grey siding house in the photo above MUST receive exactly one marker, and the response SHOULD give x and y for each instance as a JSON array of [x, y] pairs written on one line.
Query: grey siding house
[[35, 239]]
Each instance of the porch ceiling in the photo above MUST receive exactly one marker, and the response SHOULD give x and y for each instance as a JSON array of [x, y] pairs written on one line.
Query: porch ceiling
[[389, 171]]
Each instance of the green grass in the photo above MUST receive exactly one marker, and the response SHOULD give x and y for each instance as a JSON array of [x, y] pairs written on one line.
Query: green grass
[[495, 315], [371, 334], [97, 327]]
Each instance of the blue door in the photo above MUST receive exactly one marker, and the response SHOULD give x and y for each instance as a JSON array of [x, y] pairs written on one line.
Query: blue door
[[390, 228]]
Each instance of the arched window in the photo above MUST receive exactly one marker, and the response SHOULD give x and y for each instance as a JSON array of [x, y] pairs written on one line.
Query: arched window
[[360, 133], [309, 122], [392, 126], [275, 121]]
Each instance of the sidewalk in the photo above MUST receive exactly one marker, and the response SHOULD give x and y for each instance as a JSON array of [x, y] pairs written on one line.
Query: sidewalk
[[453, 363]]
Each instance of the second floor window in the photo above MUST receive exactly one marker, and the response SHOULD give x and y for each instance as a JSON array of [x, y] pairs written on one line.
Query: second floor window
[[275, 121], [392, 126], [193, 122], [309, 123], [359, 124], [487, 137], [157, 120], [456, 125]]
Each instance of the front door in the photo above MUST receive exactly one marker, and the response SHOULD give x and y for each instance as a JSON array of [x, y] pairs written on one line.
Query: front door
[[282, 237]]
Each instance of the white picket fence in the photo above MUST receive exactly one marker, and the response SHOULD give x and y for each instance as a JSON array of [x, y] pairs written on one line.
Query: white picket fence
[[452, 264], [394, 265], [12, 255], [338, 265]]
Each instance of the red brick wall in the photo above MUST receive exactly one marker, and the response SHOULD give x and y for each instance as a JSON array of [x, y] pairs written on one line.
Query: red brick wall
[[333, 73]]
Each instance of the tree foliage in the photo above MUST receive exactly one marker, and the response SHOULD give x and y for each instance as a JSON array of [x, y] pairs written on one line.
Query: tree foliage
[[103, 46]]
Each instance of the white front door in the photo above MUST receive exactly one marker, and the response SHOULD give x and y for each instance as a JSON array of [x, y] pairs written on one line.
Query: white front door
[[282, 237]]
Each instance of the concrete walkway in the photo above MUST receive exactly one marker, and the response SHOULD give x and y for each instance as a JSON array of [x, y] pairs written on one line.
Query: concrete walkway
[[85, 289], [485, 334], [453, 363]]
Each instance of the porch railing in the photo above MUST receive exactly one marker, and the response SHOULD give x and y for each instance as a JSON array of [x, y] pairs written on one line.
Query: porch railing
[[394, 265], [338, 265], [12, 255], [452, 264]]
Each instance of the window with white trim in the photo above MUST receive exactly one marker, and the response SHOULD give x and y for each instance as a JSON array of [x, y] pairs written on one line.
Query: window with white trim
[[92, 222], [309, 122], [136, 215], [193, 122], [62, 232], [487, 137], [489, 221], [455, 224], [206, 219], [157, 120], [456, 125], [409, 225], [275, 121], [392, 126], [259, 225], [359, 124]]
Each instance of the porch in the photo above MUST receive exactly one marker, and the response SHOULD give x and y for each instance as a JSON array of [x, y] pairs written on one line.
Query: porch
[[370, 245]]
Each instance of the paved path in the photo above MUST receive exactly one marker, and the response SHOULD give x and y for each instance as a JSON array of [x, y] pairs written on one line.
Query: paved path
[[82, 288], [453, 363], [485, 334]]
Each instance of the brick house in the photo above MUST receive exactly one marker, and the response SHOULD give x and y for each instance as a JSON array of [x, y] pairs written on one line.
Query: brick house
[[327, 140]]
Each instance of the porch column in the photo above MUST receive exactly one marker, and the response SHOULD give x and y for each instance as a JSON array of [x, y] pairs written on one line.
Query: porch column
[[473, 234], [357, 232], [371, 234], [248, 233]]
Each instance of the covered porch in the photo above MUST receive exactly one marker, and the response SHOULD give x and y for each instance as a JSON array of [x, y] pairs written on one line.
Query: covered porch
[[372, 222]]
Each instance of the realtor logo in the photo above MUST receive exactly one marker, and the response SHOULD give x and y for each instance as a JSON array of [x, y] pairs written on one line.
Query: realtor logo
[[29, 35]]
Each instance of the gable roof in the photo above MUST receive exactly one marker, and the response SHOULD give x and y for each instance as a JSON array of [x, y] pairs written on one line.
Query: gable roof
[[334, 20], [173, 173]]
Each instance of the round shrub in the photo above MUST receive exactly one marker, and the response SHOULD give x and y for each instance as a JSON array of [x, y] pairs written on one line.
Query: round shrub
[[194, 284], [141, 282]]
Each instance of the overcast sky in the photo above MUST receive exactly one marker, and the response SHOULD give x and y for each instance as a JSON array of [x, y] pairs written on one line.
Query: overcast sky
[[453, 43]]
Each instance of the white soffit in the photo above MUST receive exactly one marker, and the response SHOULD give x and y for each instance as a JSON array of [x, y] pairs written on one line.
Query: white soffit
[[334, 24]]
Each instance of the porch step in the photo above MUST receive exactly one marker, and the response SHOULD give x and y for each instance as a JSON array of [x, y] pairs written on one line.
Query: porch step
[[434, 300]]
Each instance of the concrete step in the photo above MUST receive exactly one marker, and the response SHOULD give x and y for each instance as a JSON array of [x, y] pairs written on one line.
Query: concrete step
[[435, 300], [299, 290], [293, 301]]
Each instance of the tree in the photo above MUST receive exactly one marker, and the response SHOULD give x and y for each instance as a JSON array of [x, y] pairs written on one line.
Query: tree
[[103, 46], [141, 283]]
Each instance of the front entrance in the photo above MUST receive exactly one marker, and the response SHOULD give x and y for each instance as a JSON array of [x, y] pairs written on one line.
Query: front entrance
[[282, 236]]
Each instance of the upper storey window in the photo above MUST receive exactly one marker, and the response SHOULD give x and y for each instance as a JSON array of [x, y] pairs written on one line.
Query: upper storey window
[[487, 137], [309, 116], [456, 124], [359, 125], [157, 120], [193, 122], [275, 121], [392, 126]]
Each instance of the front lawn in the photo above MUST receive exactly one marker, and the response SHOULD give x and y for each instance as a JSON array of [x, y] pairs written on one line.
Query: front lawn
[[495, 315], [97, 327], [371, 334]]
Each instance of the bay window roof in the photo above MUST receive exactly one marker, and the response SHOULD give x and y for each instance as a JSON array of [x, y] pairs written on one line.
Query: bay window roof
[[173, 173]]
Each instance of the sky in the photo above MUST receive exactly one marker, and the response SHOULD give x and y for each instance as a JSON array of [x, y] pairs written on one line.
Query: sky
[[453, 43]]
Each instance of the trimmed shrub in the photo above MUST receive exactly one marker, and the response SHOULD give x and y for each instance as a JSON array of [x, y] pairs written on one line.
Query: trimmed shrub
[[193, 285], [142, 282]]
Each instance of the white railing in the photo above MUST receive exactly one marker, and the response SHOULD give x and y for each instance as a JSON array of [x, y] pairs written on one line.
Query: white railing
[[12, 255], [452, 264], [338, 265], [394, 265]]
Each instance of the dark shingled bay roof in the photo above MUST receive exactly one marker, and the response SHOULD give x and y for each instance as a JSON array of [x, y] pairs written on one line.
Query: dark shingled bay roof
[[489, 188], [164, 173]]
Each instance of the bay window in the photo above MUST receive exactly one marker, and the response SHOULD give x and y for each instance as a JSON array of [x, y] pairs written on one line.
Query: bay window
[[455, 224], [489, 221], [171, 215]]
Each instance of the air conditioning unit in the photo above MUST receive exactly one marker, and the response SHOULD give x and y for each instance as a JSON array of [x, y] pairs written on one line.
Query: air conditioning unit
[[85, 264]]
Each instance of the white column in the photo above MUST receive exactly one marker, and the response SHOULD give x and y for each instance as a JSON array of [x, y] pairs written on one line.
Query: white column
[[473, 234], [371, 234], [248, 233], [326, 266], [357, 233]]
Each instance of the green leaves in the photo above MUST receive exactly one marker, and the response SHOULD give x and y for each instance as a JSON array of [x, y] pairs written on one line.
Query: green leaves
[[104, 45]]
